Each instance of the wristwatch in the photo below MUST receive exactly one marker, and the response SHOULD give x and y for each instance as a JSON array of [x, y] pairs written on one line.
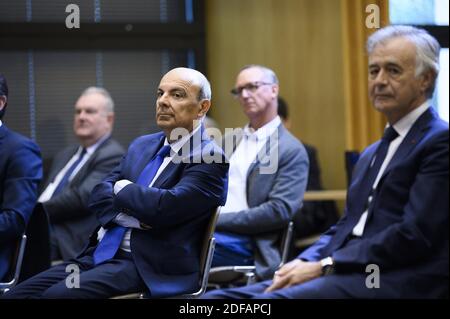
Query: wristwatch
[[327, 266]]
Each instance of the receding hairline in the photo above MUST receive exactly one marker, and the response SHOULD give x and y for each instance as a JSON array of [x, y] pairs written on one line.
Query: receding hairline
[[267, 72], [108, 103], [194, 77]]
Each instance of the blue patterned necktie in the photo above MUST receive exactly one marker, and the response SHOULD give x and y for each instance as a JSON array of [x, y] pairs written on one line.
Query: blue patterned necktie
[[64, 181], [112, 239]]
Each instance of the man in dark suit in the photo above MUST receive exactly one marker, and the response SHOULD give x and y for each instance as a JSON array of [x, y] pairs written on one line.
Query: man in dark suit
[[154, 207], [76, 170], [20, 174], [392, 241], [268, 175]]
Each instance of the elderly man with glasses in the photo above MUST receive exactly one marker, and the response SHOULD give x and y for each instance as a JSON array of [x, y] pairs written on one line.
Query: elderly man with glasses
[[261, 198]]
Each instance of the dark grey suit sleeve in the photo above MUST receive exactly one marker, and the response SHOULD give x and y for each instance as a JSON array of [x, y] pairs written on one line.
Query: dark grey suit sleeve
[[283, 200], [72, 202]]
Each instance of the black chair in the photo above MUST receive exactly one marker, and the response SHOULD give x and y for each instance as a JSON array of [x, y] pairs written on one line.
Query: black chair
[[16, 266], [226, 276], [205, 264], [37, 251]]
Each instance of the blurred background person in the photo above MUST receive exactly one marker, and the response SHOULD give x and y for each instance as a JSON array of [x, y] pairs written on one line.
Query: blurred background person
[[259, 204], [76, 170]]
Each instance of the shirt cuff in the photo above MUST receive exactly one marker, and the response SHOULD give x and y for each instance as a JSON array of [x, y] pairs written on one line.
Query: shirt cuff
[[121, 184]]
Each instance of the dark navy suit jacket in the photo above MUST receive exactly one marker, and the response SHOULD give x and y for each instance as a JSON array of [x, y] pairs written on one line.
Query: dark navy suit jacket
[[406, 233], [20, 174], [178, 207]]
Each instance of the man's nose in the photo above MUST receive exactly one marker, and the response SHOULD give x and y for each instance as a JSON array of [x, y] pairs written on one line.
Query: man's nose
[[162, 101], [81, 115], [381, 78], [244, 93]]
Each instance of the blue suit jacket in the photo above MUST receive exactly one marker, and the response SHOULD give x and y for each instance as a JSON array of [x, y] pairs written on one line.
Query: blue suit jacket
[[20, 174], [406, 233], [178, 207]]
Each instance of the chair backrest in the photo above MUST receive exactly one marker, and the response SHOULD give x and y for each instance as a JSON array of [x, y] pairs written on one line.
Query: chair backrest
[[286, 242], [37, 252], [225, 276], [206, 256], [16, 265]]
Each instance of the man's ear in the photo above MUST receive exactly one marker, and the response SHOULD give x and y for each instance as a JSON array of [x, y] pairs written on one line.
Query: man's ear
[[204, 107], [2, 102], [275, 90], [110, 118], [427, 79]]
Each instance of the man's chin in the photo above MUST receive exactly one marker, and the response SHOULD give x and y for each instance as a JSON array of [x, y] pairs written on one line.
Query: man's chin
[[82, 134], [383, 105]]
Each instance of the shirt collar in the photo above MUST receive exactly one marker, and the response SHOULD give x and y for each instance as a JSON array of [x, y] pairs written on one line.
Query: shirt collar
[[263, 132], [91, 149], [1, 123], [176, 146], [403, 125]]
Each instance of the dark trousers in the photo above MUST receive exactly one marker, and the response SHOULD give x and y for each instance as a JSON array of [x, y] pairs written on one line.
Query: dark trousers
[[114, 277], [327, 287]]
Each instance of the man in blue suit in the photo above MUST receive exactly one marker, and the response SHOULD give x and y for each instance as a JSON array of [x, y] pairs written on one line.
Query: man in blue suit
[[20, 174], [154, 207], [392, 241]]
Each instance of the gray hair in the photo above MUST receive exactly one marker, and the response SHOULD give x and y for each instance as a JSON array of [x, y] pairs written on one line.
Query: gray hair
[[427, 48], [267, 72], [109, 106], [205, 87]]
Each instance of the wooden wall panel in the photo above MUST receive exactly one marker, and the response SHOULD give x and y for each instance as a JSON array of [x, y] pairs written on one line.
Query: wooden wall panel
[[301, 41]]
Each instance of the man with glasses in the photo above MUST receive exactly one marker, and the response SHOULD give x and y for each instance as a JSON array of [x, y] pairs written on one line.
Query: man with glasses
[[261, 199]]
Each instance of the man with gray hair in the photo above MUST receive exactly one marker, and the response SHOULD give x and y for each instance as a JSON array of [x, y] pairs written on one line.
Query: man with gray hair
[[392, 241], [268, 176], [76, 170]]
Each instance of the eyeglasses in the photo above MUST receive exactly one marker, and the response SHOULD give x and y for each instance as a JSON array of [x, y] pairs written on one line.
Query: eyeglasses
[[250, 87]]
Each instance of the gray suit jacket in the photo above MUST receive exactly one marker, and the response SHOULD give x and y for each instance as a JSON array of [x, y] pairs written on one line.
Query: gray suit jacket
[[273, 198], [71, 221]]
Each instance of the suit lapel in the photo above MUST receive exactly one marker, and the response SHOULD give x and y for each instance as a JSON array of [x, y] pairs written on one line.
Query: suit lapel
[[85, 168], [195, 150], [147, 154], [3, 131], [414, 136], [58, 166], [266, 151], [165, 174]]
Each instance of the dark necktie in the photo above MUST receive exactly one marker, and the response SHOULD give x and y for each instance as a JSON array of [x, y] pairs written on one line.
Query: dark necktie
[[64, 181], [367, 185], [112, 239]]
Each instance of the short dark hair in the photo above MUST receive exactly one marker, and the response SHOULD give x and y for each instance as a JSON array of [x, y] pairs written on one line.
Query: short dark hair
[[283, 110], [3, 91]]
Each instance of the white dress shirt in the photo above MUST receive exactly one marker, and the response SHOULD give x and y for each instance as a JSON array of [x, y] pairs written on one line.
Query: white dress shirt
[[241, 160], [402, 127]]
